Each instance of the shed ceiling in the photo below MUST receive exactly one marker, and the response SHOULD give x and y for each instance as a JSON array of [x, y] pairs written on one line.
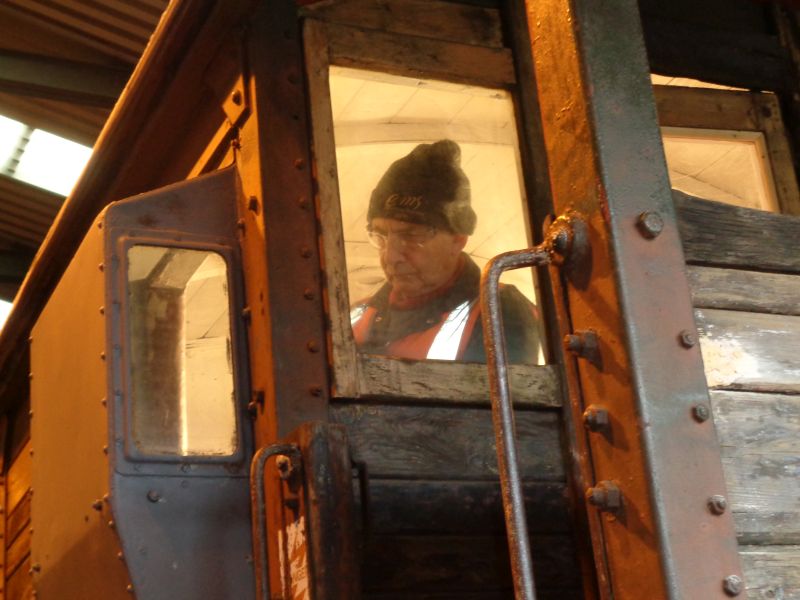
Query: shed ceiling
[[63, 63]]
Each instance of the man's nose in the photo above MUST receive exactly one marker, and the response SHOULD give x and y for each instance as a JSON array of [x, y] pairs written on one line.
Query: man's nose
[[393, 251]]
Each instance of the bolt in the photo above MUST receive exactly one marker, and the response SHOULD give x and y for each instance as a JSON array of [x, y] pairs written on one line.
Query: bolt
[[129, 588], [153, 496], [605, 496], [308, 294], [562, 241], [717, 504], [312, 346], [583, 343], [299, 163], [236, 97], [595, 418], [285, 467], [650, 224], [733, 585], [687, 338], [701, 413], [97, 505]]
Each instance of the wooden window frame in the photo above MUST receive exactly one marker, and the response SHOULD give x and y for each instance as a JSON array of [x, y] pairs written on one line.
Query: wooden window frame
[[733, 110], [357, 375]]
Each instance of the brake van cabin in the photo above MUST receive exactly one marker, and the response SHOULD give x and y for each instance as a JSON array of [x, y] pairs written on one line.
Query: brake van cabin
[[186, 411]]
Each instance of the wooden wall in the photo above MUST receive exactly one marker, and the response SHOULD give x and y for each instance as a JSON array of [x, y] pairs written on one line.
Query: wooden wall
[[744, 270]]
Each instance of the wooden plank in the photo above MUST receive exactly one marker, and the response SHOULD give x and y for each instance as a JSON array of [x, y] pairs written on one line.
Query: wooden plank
[[419, 442], [424, 18], [750, 351], [464, 383], [705, 108], [19, 477], [417, 56], [446, 507], [18, 520], [413, 564], [20, 585], [759, 436], [18, 552], [767, 112], [718, 234], [752, 291], [771, 572]]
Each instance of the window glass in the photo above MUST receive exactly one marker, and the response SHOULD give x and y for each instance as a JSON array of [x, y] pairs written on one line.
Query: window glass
[[726, 166], [181, 371], [430, 189]]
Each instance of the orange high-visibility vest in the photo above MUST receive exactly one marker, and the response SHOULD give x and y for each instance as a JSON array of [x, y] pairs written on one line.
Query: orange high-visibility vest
[[446, 339]]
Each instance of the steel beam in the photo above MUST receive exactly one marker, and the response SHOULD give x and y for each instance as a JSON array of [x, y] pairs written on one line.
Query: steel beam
[[659, 450]]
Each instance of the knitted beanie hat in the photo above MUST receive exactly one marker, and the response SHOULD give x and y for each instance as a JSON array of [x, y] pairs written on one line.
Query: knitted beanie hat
[[427, 187]]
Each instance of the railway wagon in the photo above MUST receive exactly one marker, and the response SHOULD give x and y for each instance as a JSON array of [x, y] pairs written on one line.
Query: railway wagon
[[187, 414]]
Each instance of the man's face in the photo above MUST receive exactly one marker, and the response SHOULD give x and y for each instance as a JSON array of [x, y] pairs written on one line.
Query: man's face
[[416, 258]]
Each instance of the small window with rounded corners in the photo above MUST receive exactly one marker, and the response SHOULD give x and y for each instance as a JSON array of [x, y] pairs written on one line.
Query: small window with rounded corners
[[181, 378]]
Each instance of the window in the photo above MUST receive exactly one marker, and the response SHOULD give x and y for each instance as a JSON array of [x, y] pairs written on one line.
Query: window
[[181, 372], [375, 113]]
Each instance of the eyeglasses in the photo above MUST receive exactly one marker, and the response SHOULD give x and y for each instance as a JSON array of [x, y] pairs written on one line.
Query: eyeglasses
[[405, 238]]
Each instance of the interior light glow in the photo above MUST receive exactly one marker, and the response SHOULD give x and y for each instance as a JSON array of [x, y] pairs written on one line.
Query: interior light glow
[[10, 134], [52, 162]]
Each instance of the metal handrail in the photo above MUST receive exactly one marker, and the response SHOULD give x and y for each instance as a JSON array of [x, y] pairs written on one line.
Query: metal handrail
[[258, 507]]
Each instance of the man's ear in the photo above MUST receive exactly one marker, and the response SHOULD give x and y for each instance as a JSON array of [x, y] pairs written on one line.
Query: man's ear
[[459, 241]]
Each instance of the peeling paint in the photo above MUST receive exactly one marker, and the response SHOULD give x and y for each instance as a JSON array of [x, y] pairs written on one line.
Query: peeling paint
[[726, 361]]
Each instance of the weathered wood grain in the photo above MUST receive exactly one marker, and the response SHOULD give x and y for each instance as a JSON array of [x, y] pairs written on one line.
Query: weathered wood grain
[[417, 442], [759, 436], [425, 18], [750, 351], [447, 507], [465, 383], [704, 108], [718, 234], [771, 572], [416, 56], [414, 564], [733, 289]]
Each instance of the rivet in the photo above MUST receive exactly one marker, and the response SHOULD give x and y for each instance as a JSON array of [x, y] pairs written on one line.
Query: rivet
[[97, 505], [153, 496], [252, 409], [315, 390], [240, 224], [129, 588], [308, 294], [650, 224], [717, 504], [236, 144], [103, 401], [305, 252], [302, 202], [299, 163], [102, 310], [312, 346], [732, 585], [185, 468], [595, 418], [292, 78], [252, 205], [30, 414], [687, 338], [247, 314], [102, 356], [120, 556], [701, 413], [101, 266], [111, 524], [30, 452], [236, 97], [105, 449]]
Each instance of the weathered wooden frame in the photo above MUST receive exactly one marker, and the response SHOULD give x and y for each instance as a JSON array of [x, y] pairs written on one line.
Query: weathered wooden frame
[[357, 375], [718, 109]]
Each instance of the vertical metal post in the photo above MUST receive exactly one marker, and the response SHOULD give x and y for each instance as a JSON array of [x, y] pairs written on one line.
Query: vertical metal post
[[607, 164]]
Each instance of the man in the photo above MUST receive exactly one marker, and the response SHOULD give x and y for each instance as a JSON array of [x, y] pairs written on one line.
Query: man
[[419, 218]]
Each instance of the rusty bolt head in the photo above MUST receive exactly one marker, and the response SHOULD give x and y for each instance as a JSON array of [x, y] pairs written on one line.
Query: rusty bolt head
[[733, 585], [595, 418], [717, 504], [605, 496], [701, 413], [650, 224], [687, 338], [573, 342], [285, 468]]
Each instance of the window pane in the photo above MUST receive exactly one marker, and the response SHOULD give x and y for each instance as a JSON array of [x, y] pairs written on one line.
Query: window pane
[[181, 369], [461, 187], [726, 166]]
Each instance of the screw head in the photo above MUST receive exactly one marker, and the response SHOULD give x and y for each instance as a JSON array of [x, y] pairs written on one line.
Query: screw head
[[733, 585], [650, 224], [701, 413], [717, 504], [687, 338]]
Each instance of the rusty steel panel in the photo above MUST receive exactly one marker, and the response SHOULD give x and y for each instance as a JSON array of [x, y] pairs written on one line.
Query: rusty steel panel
[[654, 453]]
